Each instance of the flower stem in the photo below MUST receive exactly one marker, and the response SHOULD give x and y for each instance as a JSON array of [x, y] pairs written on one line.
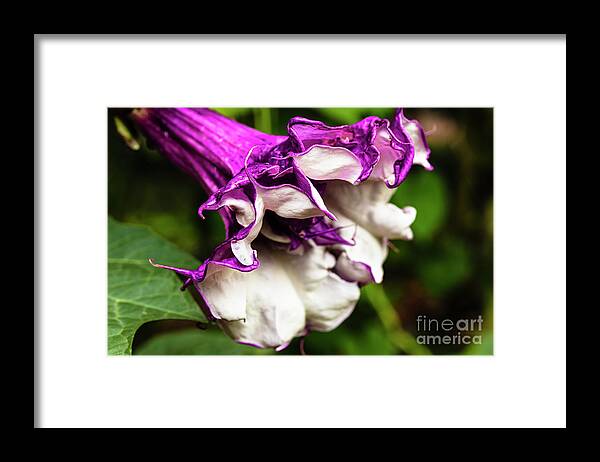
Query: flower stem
[[125, 133], [262, 119], [400, 337]]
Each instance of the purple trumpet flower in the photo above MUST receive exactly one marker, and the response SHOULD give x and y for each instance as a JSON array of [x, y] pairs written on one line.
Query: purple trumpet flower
[[307, 215]]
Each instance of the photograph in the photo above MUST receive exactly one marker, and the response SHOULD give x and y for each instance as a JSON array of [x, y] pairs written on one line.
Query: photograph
[[300, 231]]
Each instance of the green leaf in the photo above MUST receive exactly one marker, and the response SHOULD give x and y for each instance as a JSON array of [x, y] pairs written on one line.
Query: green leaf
[[351, 115], [138, 292], [195, 342], [342, 115], [450, 266]]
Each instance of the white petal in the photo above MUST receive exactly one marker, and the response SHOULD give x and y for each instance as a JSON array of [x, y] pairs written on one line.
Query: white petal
[[407, 235], [421, 152], [246, 214], [217, 290], [367, 205], [355, 198], [274, 311], [330, 303], [242, 207], [330, 163], [391, 221], [291, 202], [384, 168], [286, 294], [363, 262], [242, 249], [328, 299]]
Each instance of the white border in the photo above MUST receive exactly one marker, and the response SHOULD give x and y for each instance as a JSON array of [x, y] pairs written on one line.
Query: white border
[[522, 385]]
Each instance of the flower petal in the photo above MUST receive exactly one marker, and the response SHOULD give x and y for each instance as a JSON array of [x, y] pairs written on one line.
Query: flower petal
[[330, 163], [417, 135], [396, 155], [357, 138], [328, 299], [248, 214], [290, 194], [274, 311], [282, 299], [290, 202], [305, 133], [362, 262], [214, 280], [367, 205], [217, 291]]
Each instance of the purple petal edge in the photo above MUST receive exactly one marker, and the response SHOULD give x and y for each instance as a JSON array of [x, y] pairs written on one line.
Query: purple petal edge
[[221, 256], [403, 119]]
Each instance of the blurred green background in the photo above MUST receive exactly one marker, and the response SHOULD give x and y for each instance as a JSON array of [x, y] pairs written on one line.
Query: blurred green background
[[446, 272]]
